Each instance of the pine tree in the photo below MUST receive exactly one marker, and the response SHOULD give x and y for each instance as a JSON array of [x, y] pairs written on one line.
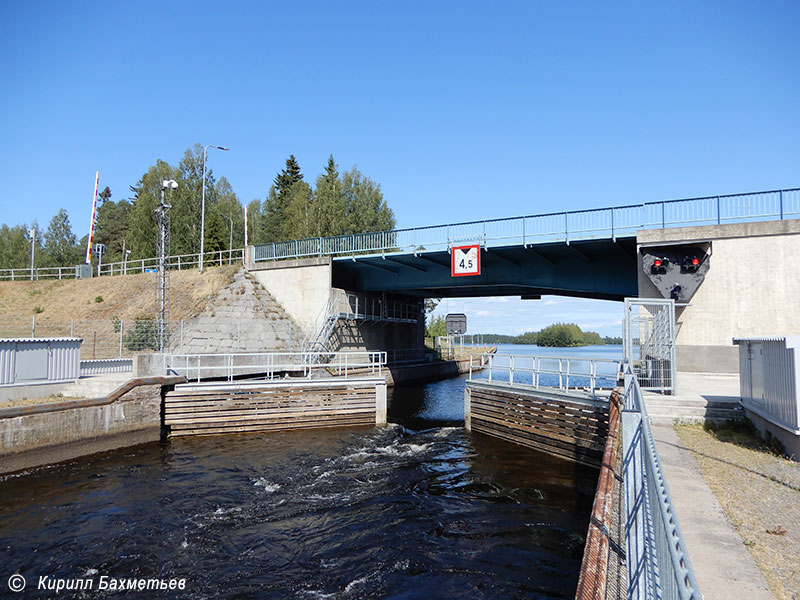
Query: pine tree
[[275, 228], [327, 203]]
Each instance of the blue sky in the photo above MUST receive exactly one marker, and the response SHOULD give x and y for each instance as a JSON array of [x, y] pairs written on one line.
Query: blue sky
[[460, 110]]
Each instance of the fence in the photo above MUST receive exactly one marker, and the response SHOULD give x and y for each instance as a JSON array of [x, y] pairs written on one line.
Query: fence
[[657, 561], [272, 364], [102, 338], [563, 373], [140, 265], [648, 337], [603, 223]]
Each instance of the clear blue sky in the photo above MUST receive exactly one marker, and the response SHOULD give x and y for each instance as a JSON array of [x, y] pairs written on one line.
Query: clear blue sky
[[460, 110]]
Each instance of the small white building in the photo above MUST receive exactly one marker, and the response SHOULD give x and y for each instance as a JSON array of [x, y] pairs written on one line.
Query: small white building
[[769, 383]]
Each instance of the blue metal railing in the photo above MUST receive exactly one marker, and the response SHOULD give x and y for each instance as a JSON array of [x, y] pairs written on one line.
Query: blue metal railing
[[658, 562], [601, 223]]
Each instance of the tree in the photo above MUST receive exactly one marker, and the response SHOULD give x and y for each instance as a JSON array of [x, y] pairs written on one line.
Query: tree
[[15, 247], [275, 228], [255, 222], [60, 244], [365, 209], [436, 328], [142, 216], [328, 202], [111, 228], [299, 222]]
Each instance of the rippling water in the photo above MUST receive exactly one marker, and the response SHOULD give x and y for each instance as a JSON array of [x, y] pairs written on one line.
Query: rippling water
[[418, 509]]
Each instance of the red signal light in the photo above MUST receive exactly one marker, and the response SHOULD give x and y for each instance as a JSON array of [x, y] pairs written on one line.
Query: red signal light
[[695, 261], [657, 262]]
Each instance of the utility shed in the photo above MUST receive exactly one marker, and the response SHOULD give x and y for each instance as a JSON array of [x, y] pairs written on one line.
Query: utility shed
[[769, 384], [25, 361]]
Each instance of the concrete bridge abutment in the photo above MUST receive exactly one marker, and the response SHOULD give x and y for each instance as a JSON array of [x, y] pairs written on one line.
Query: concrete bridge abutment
[[751, 289]]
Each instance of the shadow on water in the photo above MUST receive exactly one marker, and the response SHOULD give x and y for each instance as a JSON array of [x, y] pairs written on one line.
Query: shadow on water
[[417, 509]]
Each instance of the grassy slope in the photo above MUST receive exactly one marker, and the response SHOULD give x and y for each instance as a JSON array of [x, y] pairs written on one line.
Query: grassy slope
[[123, 296]]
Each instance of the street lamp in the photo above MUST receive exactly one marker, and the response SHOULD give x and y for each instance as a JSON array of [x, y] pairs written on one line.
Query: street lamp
[[203, 201], [230, 243], [125, 262], [32, 234]]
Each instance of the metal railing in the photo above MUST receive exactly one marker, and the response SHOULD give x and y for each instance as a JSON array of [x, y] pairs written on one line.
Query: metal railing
[[564, 373], [369, 308], [602, 223], [130, 266], [658, 563], [269, 365]]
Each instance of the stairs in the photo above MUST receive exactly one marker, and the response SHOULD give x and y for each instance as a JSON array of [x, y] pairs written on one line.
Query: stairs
[[96, 386], [665, 410], [701, 398]]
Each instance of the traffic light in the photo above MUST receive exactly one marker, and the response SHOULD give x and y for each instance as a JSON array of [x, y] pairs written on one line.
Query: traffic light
[[691, 264], [659, 266]]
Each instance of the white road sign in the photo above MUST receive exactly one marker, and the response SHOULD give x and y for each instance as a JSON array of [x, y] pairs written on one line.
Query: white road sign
[[465, 260]]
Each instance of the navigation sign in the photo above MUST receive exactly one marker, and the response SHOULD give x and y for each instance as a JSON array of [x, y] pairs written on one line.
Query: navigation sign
[[465, 260], [456, 324]]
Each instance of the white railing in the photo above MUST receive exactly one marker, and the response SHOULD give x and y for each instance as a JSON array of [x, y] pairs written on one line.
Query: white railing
[[270, 365], [562, 372], [130, 266]]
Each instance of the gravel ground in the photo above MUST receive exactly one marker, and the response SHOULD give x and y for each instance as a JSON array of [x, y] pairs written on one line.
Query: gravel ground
[[29, 401], [760, 493]]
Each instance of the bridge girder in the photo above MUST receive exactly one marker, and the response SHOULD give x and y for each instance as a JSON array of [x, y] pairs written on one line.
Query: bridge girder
[[602, 269]]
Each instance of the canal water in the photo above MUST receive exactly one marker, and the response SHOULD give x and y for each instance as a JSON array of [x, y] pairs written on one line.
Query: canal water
[[417, 509]]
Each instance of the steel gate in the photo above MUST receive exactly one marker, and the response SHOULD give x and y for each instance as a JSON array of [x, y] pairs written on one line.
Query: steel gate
[[649, 342]]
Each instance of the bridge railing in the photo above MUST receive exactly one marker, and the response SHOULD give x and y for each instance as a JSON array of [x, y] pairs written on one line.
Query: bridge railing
[[562, 372], [602, 223], [657, 559]]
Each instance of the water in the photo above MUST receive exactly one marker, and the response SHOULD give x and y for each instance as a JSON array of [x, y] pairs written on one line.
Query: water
[[417, 509]]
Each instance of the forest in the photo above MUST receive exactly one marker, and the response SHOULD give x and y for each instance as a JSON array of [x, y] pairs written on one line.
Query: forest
[[333, 204], [559, 335]]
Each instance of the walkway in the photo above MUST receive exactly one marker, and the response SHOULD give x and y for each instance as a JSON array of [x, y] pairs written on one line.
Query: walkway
[[723, 567]]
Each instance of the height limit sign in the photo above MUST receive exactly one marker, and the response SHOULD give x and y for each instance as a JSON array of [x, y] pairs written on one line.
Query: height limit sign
[[465, 260]]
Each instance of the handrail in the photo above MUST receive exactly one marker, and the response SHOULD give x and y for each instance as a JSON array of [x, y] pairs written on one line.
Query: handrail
[[658, 562], [562, 371], [272, 364]]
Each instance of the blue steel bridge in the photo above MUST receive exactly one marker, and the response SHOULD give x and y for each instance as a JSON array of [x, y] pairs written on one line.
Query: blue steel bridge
[[588, 253]]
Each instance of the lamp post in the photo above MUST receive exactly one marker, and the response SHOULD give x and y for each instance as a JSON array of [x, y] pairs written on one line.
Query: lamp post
[[230, 242], [32, 234], [203, 202], [125, 262]]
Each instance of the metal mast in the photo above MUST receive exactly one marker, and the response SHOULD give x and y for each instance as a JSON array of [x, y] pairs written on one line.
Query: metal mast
[[162, 251]]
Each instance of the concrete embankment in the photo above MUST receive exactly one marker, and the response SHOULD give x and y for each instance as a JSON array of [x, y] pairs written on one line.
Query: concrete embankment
[[40, 434], [426, 372]]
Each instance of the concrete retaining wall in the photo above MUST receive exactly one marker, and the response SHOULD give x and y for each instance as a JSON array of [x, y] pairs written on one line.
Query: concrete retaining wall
[[302, 287], [751, 289], [40, 434]]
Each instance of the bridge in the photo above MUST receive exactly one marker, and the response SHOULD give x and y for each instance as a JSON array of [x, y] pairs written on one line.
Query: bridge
[[590, 253], [642, 250]]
